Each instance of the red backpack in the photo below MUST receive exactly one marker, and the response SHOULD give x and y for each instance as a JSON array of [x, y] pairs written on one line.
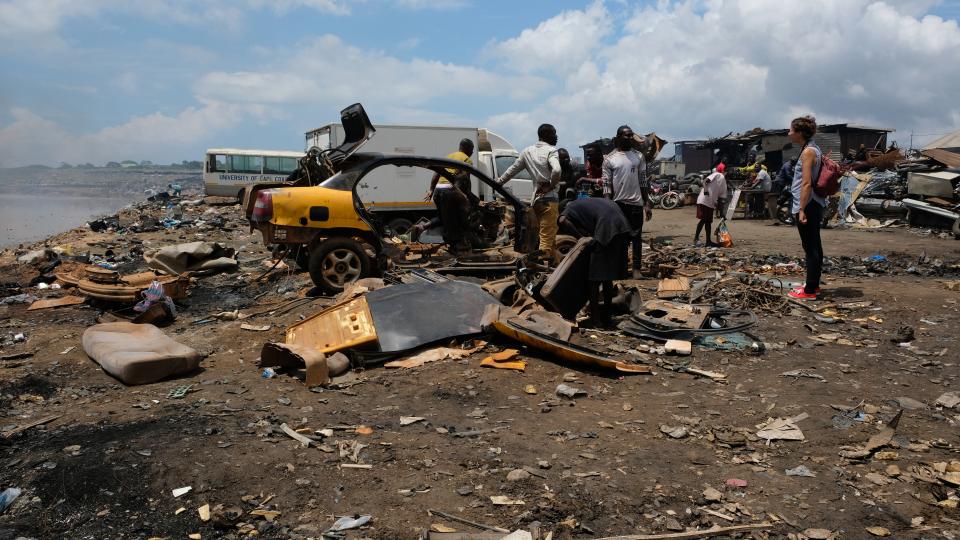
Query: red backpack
[[828, 182]]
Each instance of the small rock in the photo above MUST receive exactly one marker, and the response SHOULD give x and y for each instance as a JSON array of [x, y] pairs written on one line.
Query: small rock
[[678, 432], [517, 475], [712, 495], [543, 464], [878, 531], [72, 449], [464, 491], [672, 524], [568, 391], [284, 401], [949, 400], [818, 534], [893, 471], [801, 470], [627, 407], [910, 404], [737, 483]]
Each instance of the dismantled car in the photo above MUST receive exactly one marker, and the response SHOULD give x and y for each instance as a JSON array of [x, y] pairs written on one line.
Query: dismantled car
[[327, 228]]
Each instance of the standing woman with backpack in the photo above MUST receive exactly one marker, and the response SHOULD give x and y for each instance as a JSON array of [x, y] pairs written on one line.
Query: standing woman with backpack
[[808, 207]]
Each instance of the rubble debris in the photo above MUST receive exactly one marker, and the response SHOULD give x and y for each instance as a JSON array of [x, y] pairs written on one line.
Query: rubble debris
[[569, 392], [347, 523], [781, 429], [800, 470], [197, 258], [56, 302], [8, 496], [397, 319], [138, 353], [295, 356], [433, 355]]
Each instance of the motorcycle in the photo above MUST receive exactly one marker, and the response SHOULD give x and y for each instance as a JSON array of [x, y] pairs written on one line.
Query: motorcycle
[[663, 196]]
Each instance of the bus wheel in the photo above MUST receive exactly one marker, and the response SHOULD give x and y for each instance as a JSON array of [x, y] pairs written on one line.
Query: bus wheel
[[400, 226], [336, 262]]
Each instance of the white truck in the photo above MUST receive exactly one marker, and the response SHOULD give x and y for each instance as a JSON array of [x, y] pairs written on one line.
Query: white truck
[[398, 193]]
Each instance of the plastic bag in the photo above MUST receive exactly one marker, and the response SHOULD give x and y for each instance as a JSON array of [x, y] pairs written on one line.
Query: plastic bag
[[723, 234]]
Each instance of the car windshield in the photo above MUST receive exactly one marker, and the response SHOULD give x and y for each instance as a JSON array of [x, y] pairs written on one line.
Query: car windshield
[[504, 163]]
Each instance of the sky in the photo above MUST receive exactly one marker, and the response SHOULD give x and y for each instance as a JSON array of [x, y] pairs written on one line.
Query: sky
[[163, 80]]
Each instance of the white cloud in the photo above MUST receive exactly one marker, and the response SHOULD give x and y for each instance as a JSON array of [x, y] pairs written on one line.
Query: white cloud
[[29, 138], [703, 68], [558, 42], [329, 71]]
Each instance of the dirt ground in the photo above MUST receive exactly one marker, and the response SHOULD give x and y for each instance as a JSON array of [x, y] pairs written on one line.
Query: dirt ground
[[598, 465]]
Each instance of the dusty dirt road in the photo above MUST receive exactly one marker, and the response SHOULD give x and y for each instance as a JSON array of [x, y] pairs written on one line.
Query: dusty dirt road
[[598, 465]]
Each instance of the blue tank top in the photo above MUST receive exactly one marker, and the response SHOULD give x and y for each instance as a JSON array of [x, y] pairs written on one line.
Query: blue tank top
[[798, 180]]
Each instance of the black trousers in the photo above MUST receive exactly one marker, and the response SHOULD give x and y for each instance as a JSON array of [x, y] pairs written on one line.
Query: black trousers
[[812, 247], [634, 215]]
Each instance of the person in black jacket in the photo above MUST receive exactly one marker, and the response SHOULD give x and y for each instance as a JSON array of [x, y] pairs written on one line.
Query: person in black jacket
[[603, 221]]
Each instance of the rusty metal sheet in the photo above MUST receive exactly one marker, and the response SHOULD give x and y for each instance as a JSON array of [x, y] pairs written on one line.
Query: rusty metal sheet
[[336, 328], [948, 158], [569, 352], [672, 315]]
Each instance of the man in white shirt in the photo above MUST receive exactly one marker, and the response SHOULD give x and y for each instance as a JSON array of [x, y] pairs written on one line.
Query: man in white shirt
[[543, 164], [624, 179]]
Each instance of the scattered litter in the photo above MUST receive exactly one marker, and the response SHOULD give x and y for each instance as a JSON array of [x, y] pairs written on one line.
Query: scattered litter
[[569, 392], [800, 470], [348, 522], [798, 373], [255, 328], [407, 420], [8, 496], [784, 429], [204, 512], [503, 500], [182, 491]]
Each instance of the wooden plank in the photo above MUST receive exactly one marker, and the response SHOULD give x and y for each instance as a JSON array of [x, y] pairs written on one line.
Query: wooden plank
[[25, 427], [691, 535], [47, 303]]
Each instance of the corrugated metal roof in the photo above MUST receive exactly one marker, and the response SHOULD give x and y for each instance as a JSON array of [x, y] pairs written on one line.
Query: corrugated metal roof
[[948, 158], [951, 140]]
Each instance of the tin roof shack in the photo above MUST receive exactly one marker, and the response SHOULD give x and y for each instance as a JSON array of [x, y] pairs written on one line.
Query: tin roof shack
[[735, 149]]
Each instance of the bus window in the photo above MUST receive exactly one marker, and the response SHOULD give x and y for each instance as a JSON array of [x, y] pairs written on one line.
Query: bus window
[[245, 164], [216, 163], [288, 165]]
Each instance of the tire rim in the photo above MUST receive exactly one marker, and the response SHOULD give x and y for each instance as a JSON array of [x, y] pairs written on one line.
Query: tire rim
[[341, 266]]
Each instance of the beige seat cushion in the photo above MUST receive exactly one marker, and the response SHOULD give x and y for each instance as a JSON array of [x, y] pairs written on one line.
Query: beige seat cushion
[[138, 353]]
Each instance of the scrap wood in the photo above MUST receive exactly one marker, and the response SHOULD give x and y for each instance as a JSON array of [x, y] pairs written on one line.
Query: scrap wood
[[47, 303], [434, 355], [459, 519], [718, 377], [25, 427], [17, 356], [305, 441], [690, 535]]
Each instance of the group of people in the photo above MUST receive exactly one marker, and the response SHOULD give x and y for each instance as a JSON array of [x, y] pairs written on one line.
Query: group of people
[[615, 220]]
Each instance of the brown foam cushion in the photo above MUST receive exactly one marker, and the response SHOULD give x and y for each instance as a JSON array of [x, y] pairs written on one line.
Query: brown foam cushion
[[138, 353]]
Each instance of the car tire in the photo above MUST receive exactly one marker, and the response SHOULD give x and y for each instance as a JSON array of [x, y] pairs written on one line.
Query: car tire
[[956, 229], [335, 262], [670, 200], [400, 226]]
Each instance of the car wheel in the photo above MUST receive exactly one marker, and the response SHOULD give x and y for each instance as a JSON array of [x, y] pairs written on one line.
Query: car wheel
[[336, 262], [670, 200], [400, 226], [956, 229]]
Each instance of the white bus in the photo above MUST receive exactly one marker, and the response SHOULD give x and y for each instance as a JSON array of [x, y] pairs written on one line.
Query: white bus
[[228, 171]]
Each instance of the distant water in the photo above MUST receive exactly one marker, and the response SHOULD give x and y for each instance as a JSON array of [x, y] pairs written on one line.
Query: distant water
[[28, 218]]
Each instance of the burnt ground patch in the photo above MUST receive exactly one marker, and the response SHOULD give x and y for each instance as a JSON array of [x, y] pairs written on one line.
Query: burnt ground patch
[[27, 385], [103, 489]]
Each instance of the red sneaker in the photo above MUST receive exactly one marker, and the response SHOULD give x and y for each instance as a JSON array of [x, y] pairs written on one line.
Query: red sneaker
[[801, 295], [802, 289]]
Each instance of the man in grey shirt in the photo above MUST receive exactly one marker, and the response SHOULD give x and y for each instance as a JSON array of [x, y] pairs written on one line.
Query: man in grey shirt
[[624, 181], [543, 164]]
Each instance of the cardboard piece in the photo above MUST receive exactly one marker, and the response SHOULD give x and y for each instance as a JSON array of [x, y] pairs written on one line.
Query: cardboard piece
[[47, 303]]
